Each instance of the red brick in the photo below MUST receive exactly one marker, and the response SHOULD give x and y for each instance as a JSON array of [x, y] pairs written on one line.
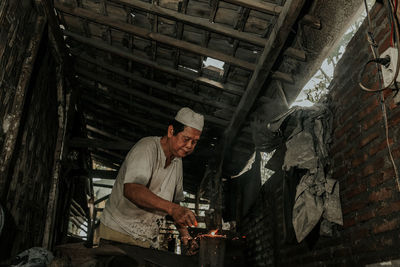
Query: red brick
[[383, 46], [348, 223], [392, 105], [338, 161], [379, 147], [369, 139], [351, 180], [389, 208], [366, 216], [369, 109], [360, 188], [394, 119], [339, 173], [382, 32], [382, 194], [353, 206], [396, 153], [374, 167], [386, 226], [349, 153], [375, 10], [381, 177], [338, 147], [358, 160], [349, 113], [354, 134], [339, 133], [359, 234], [372, 121], [387, 93], [379, 19]]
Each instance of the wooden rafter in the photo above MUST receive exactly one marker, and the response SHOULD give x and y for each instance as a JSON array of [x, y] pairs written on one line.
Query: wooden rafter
[[184, 75], [143, 96], [194, 21], [86, 142], [156, 85], [135, 120], [103, 174], [258, 5], [179, 31], [141, 32], [275, 43]]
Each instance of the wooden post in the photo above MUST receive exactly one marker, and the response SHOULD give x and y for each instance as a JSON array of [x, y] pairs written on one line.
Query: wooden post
[[14, 116]]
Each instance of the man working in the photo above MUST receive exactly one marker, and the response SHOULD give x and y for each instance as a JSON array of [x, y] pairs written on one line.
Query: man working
[[150, 183]]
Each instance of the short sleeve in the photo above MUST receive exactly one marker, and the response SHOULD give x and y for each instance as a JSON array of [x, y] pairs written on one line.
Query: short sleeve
[[178, 197], [139, 162]]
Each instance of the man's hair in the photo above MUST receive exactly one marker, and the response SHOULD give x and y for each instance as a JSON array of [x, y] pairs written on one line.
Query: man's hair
[[178, 127]]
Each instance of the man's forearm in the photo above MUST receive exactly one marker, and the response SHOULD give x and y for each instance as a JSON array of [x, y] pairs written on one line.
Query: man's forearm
[[144, 198], [141, 196]]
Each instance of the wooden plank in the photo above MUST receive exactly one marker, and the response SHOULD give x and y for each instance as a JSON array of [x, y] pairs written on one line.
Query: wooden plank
[[278, 36], [15, 114], [103, 174], [157, 85], [141, 32], [101, 199], [104, 133], [311, 21], [103, 185], [284, 77], [194, 21], [281, 93], [134, 105], [259, 6], [78, 142], [295, 53], [144, 96], [184, 75], [105, 162], [55, 33]]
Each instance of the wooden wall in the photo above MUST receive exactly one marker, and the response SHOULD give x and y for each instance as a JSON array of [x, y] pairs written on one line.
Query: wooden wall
[[29, 125]]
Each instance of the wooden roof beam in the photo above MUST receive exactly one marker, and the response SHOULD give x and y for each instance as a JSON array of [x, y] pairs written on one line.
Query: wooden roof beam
[[106, 134], [144, 96], [129, 118], [257, 5], [136, 105], [194, 21], [272, 50], [156, 85], [79, 142], [295, 53], [125, 54], [103, 174], [144, 33]]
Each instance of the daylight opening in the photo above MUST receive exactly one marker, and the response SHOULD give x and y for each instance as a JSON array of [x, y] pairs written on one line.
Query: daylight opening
[[317, 86]]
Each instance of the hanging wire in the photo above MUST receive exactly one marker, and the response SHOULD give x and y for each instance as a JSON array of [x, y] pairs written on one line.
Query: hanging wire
[[393, 22], [373, 45]]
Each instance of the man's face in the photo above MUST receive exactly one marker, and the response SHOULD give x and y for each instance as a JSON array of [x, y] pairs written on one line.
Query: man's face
[[184, 142]]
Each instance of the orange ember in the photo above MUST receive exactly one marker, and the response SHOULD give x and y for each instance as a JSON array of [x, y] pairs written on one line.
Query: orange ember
[[214, 232]]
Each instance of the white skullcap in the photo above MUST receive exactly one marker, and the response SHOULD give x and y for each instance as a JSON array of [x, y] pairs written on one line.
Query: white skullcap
[[188, 117]]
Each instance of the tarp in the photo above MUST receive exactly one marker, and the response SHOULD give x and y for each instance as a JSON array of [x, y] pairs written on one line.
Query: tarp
[[306, 133]]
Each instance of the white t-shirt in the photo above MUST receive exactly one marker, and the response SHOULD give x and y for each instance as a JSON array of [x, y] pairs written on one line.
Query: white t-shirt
[[143, 165]]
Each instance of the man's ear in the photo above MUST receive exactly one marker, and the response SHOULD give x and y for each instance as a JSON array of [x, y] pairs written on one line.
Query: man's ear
[[170, 131]]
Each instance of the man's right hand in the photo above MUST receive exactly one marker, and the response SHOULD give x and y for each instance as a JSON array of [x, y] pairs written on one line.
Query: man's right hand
[[182, 216]]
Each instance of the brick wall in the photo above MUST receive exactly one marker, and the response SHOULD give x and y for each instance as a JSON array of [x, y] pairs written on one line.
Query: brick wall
[[369, 195], [29, 124]]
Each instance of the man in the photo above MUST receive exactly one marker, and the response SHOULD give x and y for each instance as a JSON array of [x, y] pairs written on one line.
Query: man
[[150, 183]]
